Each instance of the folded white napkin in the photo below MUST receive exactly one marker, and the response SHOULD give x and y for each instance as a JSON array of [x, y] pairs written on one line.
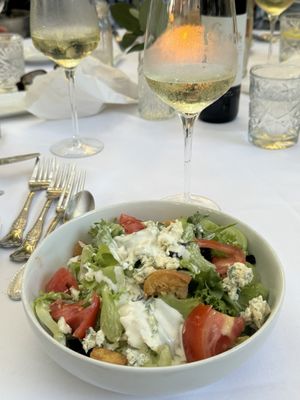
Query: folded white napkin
[[97, 84]]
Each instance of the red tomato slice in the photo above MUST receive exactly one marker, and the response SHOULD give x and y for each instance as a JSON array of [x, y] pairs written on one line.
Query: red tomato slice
[[89, 317], [78, 317], [233, 254], [130, 224], [61, 281], [208, 332], [70, 312]]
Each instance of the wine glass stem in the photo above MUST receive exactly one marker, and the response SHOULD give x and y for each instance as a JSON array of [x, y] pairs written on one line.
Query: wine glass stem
[[188, 125], [70, 74], [272, 20]]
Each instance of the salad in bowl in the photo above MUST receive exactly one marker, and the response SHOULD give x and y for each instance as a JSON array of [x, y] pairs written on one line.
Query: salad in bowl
[[155, 293], [141, 298]]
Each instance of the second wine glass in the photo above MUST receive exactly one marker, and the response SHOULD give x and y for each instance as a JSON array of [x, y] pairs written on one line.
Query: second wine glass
[[273, 8], [67, 31], [190, 60]]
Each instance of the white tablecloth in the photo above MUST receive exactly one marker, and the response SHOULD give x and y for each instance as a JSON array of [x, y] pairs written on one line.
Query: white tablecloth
[[144, 160]]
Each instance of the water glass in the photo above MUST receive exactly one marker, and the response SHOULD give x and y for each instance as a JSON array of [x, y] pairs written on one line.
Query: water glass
[[11, 61], [289, 36], [274, 114]]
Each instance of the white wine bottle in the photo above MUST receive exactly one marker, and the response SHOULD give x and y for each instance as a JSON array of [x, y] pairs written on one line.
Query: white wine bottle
[[226, 108]]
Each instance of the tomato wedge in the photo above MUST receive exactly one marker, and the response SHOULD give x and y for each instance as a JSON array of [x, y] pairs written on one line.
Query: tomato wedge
[[61, 281], [207, 332], [233, 254], [78, 317], [130, 224], [70, 312]]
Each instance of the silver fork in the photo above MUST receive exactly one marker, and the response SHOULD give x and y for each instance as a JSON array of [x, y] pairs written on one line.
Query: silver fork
[[74, 185], [32, 238], [39, 180]]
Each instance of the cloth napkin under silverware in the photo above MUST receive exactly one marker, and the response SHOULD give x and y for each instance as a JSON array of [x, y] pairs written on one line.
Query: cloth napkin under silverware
[[97, 85]]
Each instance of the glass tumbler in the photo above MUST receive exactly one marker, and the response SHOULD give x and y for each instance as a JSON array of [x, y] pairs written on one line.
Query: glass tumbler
[[11, 61], [274, 114]]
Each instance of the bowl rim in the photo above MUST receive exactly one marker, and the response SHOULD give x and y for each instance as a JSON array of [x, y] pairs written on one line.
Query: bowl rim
[[271, 319]]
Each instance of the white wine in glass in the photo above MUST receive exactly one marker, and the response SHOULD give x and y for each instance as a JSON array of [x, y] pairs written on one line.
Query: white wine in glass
[[67, 31], [273, 8], [190, 60]]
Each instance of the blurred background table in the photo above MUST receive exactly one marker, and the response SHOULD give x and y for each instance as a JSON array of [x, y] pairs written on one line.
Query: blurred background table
[[143, 160]]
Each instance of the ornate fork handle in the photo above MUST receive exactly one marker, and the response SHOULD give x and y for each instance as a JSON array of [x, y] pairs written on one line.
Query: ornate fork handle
[[33, 236], [55, 221], [14, 290], [15, 235]]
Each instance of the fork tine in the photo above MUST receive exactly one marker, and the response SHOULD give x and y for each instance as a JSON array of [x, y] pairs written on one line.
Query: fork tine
[[43, 171], [69, 189], [36, 168], [51, 167], [80, 182], [66, 177], [67, 185]]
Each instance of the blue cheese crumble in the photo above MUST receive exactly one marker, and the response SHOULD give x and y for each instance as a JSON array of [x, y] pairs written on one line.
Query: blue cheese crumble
[[256, 312], [63, 326], [93, 339], [152, 246], [136, 358], [238, 276]]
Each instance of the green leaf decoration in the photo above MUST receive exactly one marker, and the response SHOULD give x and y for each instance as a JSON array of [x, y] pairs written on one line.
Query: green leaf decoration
[[122, 14], [137, 47], [143, 14], [127, 40]]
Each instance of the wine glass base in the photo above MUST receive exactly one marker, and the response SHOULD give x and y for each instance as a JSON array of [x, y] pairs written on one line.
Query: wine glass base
[[195, 199], [86, 147]]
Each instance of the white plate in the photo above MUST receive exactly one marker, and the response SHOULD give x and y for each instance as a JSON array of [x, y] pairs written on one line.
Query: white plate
[[12, 104]]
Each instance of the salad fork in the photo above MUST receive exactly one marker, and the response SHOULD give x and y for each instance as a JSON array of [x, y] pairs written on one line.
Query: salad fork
[[39, 180], [54, 190], [75, 184]]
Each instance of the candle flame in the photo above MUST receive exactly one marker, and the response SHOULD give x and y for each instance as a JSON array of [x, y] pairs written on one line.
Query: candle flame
[[183, 43]]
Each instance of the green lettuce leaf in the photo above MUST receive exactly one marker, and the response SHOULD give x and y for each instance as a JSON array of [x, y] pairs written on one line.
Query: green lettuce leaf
[[252, 290], [103, 257], [160, 358], [209, 290], [109, 317], [195, 262], [42, 311], [184, 306], [188, 231]]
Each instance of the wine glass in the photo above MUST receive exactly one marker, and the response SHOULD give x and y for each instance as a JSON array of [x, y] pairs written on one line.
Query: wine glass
[[190, 60], [1, 5], [273, 8], [66, 31]]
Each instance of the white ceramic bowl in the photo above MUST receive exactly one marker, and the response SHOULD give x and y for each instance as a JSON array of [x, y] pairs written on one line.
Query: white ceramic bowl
[[55, 251]]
